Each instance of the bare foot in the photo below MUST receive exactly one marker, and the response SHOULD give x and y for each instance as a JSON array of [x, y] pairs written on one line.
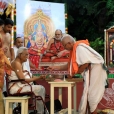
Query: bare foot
[[52, 58]]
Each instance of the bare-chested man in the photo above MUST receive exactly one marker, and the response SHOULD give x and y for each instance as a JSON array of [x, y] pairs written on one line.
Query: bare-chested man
[[6, 39], [20, 43]]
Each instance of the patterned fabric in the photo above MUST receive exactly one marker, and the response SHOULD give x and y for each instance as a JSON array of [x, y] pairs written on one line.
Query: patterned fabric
[[5, 65]]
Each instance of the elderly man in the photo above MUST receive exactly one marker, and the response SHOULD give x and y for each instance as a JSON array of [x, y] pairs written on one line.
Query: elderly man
[[55, 48], [17, 44], [18, 73], [89, 63]]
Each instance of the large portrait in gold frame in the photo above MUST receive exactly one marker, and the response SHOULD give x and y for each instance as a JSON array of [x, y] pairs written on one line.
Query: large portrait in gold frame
[[36, 22]]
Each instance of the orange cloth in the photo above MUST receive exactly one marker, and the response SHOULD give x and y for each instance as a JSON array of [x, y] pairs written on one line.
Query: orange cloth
[[34, 54], [56, 47], [5, 65], [73, 56]]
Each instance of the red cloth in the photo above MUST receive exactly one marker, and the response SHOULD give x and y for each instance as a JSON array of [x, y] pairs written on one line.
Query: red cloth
[[34, 54], [56, 47]]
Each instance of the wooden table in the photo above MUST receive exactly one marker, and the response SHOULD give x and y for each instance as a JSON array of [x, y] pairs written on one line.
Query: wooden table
[[61, 84]]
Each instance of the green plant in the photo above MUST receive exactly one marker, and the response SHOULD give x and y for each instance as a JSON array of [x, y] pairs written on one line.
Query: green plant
[[98, 45]]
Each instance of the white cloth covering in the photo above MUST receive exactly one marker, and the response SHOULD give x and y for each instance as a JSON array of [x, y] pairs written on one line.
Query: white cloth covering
[[37, 89], [94, 82]]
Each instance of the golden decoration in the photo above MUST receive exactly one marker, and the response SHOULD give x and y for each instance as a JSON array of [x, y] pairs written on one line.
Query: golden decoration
[[39, 18], [9, 9]]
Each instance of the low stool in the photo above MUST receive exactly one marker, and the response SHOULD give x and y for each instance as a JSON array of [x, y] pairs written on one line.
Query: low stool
[[11, 100]]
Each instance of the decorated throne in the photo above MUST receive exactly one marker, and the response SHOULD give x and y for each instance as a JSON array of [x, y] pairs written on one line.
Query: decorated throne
[[38, 30]]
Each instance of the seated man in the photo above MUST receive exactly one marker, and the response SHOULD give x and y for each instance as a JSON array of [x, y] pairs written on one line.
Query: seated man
[[18, 73], [17, 44], [55, 49]]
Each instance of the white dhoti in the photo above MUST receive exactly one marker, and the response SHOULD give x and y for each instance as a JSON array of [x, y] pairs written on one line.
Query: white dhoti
[[94, 86], [94, 81], [38, 90]]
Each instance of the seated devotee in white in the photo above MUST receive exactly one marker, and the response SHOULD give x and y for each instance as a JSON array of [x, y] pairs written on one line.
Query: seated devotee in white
[[18, 73], [19, 43]]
